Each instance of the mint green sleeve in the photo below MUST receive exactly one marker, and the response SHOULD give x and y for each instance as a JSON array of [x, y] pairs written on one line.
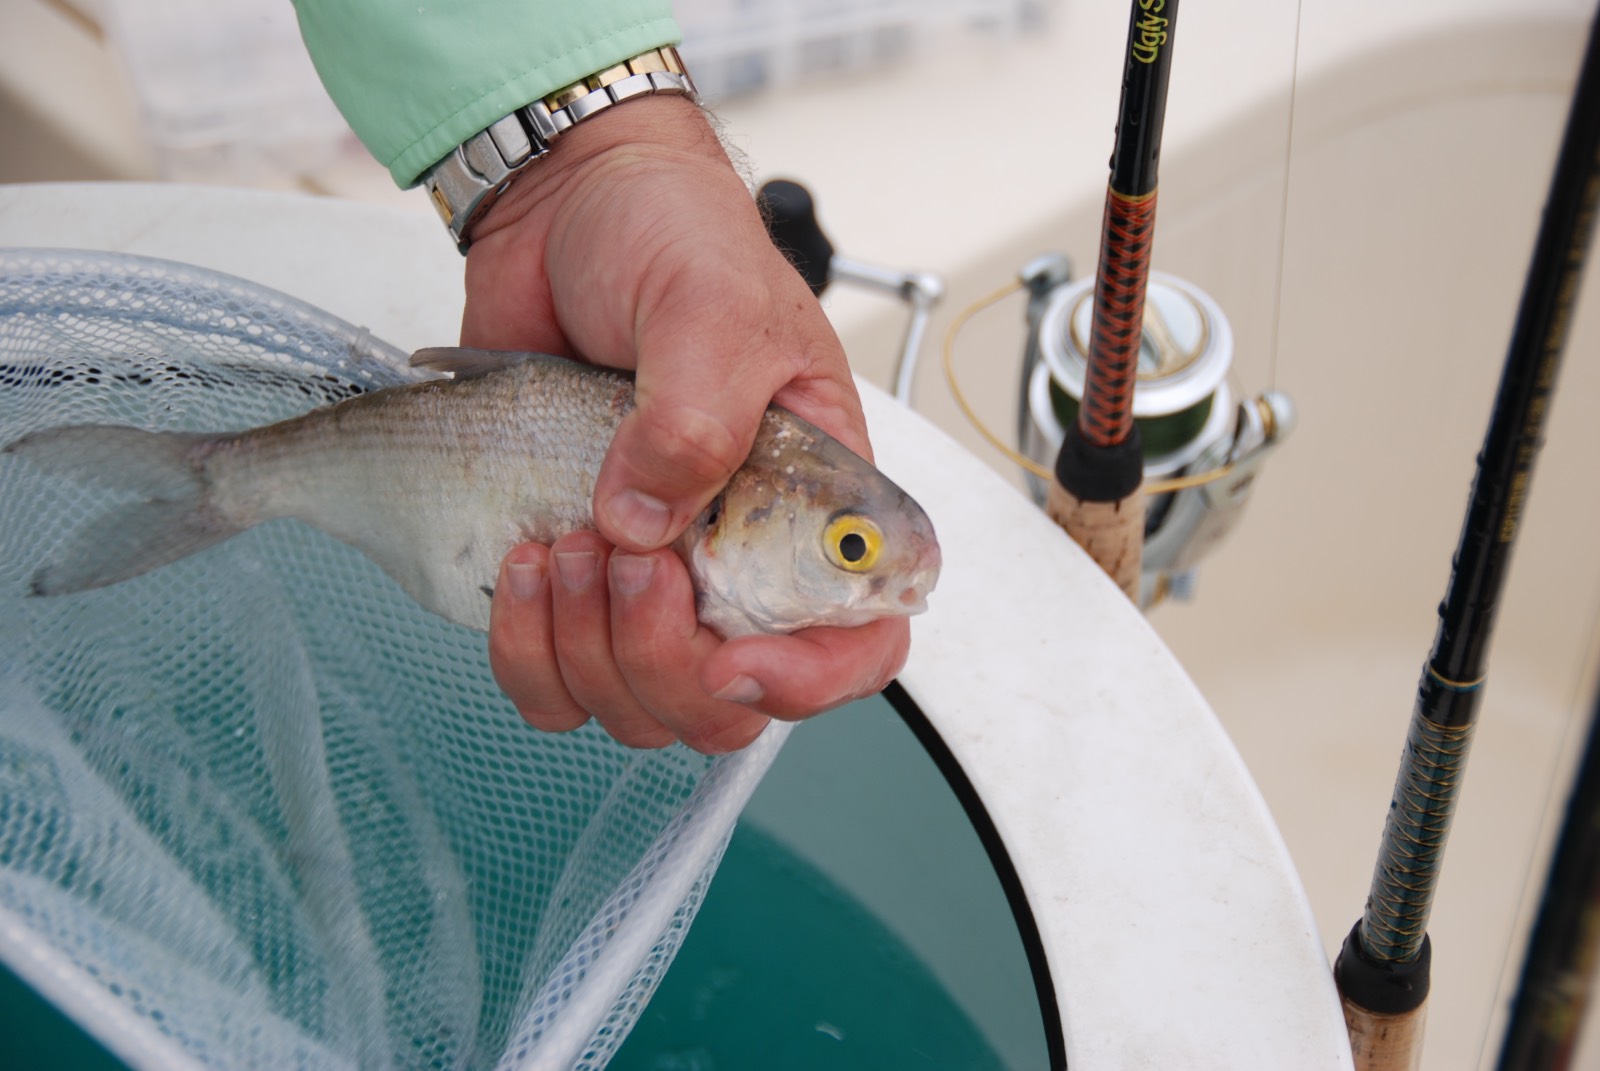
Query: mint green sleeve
[[415, 78]]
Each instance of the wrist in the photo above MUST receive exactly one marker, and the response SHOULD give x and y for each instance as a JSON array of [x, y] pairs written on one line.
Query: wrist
[[466, 183], [660, 130]]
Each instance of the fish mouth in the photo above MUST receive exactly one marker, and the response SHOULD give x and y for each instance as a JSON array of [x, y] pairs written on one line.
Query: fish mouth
[[913, 598]]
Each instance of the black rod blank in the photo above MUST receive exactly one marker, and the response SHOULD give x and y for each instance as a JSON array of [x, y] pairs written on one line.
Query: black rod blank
[[1558, 968], [1383, 961]]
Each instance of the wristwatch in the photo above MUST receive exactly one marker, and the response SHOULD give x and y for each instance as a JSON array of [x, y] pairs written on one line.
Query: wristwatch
[[464, 184]]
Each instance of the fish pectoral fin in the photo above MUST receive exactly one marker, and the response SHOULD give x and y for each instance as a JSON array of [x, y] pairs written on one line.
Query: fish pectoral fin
[[470, 364]]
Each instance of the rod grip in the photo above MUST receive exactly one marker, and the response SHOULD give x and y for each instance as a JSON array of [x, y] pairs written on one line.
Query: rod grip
[[1381, 1042], [1098, 497], [1385, 1004], [1112, 532]]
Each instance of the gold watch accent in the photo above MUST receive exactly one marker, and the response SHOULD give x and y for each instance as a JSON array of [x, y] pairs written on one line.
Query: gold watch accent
[[465, 183]]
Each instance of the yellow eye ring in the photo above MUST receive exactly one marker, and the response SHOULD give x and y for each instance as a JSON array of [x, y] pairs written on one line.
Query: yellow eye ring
[[852, 542]]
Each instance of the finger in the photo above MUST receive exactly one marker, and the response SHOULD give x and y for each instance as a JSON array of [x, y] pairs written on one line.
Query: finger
[[808, 672], [717, 338], [659, 647], [832, 404], [665, 464], [581, 616], [698, 403], [522, 651]]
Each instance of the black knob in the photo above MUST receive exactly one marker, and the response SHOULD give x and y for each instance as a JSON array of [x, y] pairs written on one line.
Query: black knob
[[791, 217]]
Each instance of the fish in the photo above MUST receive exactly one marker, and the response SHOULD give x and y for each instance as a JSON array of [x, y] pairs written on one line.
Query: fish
[[436, 480]]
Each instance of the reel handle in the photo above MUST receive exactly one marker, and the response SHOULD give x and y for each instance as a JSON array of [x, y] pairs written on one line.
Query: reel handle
[[791, 217]]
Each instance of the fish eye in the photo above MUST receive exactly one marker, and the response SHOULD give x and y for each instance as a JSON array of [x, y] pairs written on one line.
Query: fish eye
[[852, 542]]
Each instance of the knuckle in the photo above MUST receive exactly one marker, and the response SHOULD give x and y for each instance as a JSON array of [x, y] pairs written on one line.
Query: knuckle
[[506, 655], [719, 736], [650, 736], [842, 672], [693, 445], [564, 720]]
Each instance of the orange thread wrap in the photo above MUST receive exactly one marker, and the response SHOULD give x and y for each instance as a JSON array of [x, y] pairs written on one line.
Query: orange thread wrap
[[1106, 415]]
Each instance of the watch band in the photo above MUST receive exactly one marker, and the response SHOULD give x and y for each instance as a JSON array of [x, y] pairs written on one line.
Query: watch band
[[464, 184]]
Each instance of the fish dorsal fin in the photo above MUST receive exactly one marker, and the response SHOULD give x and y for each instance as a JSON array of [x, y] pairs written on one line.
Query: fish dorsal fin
[[470, 364]]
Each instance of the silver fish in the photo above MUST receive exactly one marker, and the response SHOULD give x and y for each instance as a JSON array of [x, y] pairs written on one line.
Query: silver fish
[[436, 481]]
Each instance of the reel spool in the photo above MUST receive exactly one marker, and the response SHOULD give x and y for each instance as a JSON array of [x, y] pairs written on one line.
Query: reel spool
[[1193, 431]]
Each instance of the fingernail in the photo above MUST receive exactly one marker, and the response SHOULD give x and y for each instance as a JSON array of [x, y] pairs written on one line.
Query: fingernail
[[640, 519], [741, 689], [524, 579], [631, 573], [576, 568]]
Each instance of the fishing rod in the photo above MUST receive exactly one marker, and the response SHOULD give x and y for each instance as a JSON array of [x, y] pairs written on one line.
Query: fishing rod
[[1383, 968], [1098, 494], [1181, 444], [1558, 969]]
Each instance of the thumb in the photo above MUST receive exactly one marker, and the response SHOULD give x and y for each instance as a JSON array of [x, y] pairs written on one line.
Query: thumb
[[722, 325], [665, 464], [675, 451]]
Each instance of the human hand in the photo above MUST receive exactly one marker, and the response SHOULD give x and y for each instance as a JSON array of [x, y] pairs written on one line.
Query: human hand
[[636, 244]]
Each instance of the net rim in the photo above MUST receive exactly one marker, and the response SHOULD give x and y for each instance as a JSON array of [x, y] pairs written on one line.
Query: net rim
[[366, 356]]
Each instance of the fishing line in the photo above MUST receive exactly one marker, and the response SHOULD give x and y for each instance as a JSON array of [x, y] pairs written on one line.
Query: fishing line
[[1283, 207], [947, 355]]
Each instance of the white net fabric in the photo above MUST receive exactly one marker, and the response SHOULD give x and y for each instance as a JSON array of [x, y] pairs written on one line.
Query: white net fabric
[[258, 809]]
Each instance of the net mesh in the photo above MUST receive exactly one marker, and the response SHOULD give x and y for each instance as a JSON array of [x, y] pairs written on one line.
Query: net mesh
[[257, 808]]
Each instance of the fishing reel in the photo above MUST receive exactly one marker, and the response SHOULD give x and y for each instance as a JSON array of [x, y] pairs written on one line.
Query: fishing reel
[[1202, 449]]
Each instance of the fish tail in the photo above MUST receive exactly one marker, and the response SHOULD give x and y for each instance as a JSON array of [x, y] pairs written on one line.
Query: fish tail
[[172, 521]]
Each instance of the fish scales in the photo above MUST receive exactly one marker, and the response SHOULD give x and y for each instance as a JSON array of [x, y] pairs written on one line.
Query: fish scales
[[436, 481], [483, 463]]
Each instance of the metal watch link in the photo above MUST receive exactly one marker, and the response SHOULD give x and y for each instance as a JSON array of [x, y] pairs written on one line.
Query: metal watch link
[[464, 184]]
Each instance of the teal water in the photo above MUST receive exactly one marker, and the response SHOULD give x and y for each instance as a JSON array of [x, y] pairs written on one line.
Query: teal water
[[855, 795], [783, 972], [855, 923], [39, 1038]]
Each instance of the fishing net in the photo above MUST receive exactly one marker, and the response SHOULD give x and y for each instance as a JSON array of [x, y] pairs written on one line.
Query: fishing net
[[257, 808]]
